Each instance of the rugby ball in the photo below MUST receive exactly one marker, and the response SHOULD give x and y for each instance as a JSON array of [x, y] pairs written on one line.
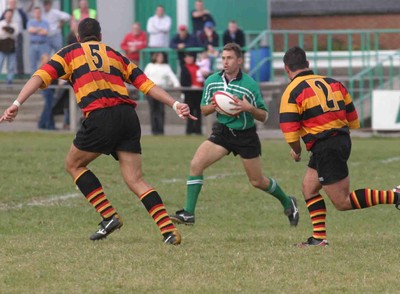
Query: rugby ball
[[222, 100]]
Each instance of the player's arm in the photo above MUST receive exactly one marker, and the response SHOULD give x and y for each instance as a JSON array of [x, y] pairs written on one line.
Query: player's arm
[[161, 95], [31, 86], [207, 109], [244, 105], [295, 151]]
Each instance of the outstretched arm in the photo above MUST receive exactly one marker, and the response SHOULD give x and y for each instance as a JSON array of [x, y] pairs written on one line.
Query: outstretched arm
[[181, 109], [30, 87]]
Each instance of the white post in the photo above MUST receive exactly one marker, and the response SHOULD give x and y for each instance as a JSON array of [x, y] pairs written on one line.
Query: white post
[[182, 9], [73, 110]]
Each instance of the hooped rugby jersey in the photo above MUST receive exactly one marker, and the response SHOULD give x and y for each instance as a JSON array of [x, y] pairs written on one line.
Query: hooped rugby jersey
[[97, 74], [314, 107], [242, 85]]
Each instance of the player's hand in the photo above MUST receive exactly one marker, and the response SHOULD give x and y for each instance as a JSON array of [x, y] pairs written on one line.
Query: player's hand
[[183, 111], [213, 102], [241, 105], [295, 156], [9, 114]]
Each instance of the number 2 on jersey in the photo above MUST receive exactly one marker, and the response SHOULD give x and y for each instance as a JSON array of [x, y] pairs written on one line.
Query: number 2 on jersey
[[325, 94]]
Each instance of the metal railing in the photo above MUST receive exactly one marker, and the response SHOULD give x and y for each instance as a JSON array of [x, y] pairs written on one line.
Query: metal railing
[[385, 74]]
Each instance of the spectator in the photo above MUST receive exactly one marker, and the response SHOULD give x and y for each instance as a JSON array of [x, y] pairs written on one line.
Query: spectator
[[46, 121], [192, 97], [209, 39], [83, 11], [199, 17], [61, 95], [20, 17], [204, 64], [8, 35], [38, 30], [133, 42], [159, 71], [234, 35], [158, 28], [56, 19], [181, 41], [71, 38]]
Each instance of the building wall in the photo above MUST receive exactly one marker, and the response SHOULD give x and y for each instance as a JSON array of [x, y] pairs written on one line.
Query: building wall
[[116, 20], [340, 22]]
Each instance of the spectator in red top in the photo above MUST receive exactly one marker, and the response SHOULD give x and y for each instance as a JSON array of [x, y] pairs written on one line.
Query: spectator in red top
[[192, 97], [133, 42]]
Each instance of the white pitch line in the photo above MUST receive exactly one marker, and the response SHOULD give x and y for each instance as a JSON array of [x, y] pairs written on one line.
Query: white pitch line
[[388, 160], [53, 199], [211, 177], [392, 159], [40, 202]]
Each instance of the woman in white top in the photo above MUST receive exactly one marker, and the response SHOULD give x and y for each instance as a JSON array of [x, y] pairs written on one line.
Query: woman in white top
[[160, 72]]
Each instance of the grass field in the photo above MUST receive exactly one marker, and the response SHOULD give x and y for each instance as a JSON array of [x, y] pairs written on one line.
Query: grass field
[[241, 242]]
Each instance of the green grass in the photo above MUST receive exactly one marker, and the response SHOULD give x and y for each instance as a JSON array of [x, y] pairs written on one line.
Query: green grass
[[241, 242]]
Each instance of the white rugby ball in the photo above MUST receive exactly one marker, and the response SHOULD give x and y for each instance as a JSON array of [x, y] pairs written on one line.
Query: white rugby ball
[[222, 99]]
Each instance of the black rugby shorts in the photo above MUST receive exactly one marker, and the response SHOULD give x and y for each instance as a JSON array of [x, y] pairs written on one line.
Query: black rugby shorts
[[246, 143], [110, 129], [329, 157]]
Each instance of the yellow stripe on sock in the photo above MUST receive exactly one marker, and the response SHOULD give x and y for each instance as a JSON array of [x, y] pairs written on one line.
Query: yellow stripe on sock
[[355, 200], [313, 201], [80, 175], [145, 194]]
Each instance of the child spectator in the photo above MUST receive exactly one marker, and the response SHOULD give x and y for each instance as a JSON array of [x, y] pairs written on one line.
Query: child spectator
[[204, 65]]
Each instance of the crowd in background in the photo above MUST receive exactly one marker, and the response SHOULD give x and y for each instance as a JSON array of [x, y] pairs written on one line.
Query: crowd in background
[[44, 26]]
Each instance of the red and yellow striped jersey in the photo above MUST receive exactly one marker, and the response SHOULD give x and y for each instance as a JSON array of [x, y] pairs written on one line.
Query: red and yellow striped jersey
[[97, 74], [314, 107]]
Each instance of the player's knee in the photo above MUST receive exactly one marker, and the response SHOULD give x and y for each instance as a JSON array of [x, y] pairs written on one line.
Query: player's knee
[[68, 166], [257, 183], [196, 167], [341, 204]]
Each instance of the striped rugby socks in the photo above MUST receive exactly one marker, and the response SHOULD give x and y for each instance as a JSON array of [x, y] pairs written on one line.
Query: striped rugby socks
[[364, 198], [317, 209], [91, 187], [154, 205]]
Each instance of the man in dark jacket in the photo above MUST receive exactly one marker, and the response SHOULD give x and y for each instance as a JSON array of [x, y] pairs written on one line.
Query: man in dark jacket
[[181, 41], [234, 35]]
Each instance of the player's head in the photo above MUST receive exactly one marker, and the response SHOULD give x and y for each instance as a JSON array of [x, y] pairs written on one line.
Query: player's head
[[232, 58], [295, 59], [89, 30], [235, 48]]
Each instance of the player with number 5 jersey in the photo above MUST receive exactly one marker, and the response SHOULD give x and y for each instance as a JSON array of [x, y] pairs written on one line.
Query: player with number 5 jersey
[[97, 74]]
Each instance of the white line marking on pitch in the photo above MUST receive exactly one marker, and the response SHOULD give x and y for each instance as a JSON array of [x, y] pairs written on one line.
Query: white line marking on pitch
[[388, 160], [53, 199], [40, 202], [212, 177]]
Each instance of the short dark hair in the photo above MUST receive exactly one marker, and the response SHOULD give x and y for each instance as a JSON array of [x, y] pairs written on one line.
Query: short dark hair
[[89, 30], [235, 48], [295, 58], [47, 2]]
